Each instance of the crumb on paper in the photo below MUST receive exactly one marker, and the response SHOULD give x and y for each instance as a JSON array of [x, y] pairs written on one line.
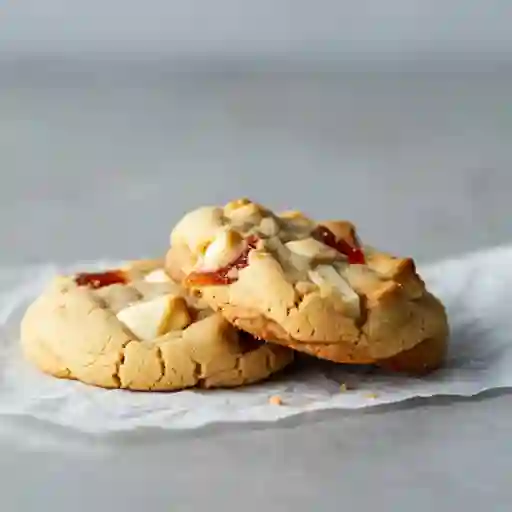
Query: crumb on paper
[[372, 396], [275, 400], [343, 387]]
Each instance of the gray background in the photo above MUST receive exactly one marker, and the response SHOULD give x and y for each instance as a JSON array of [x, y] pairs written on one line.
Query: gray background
[[325, 29], [110, 130]]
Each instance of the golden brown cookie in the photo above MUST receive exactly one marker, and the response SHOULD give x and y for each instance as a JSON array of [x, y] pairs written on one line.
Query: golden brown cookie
[[134, 328], [421, 359], [312, 287]]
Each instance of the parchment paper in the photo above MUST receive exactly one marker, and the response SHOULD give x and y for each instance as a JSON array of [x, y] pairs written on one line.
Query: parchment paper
[[477, 290]]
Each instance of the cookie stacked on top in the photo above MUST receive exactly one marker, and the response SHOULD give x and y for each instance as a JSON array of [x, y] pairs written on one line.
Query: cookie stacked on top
[[240, 291], [310, 286]]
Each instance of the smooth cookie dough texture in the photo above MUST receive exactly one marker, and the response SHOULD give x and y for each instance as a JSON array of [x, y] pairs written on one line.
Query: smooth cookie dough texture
[[312, 287], [135, 328]]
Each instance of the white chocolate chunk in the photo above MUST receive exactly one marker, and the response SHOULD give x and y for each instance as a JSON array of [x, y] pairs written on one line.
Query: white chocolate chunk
[[275, 245], [292, 214], [235, 204], [246, 213], [149, 320], [305, 287], [313, 249], [224, 249], [295, 227], [195, 230], [327, 276], [157, 276], [294, 265], [362, 279], [269, 226]]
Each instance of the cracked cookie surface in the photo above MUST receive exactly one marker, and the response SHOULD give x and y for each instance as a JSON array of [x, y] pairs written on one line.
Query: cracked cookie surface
[[134, 328], [313, 287]]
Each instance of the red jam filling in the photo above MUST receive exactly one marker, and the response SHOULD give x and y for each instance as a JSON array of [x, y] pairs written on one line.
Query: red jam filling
[[222, 275], [100, 279], [353, 253]]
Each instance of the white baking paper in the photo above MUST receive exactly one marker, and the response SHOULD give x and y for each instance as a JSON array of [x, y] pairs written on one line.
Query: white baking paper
[[477, 290]]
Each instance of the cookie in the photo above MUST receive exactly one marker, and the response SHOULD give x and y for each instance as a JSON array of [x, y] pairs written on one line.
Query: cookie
[[312, 287], [421, 359], [134, 328]]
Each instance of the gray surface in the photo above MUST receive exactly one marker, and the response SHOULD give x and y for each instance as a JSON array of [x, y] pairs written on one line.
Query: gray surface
[[101, 164]]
